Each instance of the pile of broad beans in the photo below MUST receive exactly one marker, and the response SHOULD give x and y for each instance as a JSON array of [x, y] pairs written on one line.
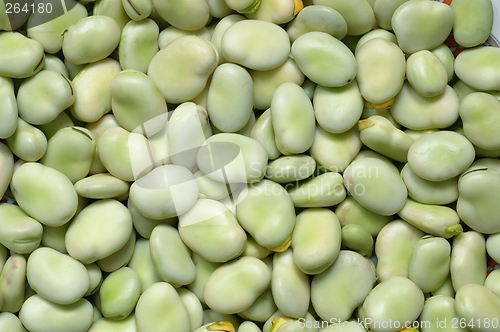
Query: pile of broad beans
[[272, 165]]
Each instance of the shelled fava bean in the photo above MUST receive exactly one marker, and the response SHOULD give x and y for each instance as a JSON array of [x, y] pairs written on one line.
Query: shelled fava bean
[[258, 165]]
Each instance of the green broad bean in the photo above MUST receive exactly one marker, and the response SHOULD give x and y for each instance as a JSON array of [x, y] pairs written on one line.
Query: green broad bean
[[337, 109], [39, 190], [394, 248], [477, 304], [430, 263], [380, 135], [492, 281], [351, 212], [356, 238], [219, 30], [381, 70], [138, 44], [22, 57], [10, 322], [205, 219], [435, 220], [218, 326], [230, 112], [493, 246], [159, 306], [317, 18], [277, 12], [76, 316], [95, 279], [92, 90], [204, 270], [137, 10], [262, 308], [475, 199], [96, 128], [266, 82], [319, 191], [468, 259], [358, 14], [267, 213], [440, 156], [53, 237], [219, 8], [475, 67], [429, 192], [375, 33], [293, 168], [159, 147], [143, 225], [210, 316], [426, 73], [73, 69], [243, 7], [171, 257], [104, 324], [193, 306], [125, 155], [223, 292], [248, 326], [12, 283], [316, 240], [472, 22], [254, 44], [263, 132], [27, 142], [101, 186], [478, 111], [384, 10], [119, 258], [255, 250], [180, 73], [57, 277], [210, 188], [334, 152], [416, 112], [79, 40], [100, 229], [70, 151], [481, 152], [291, 289], [324, 59], [372, 154], [375, 185], [119, 293], [396, 299], [8, 108], [142, 263], [167, 191], [408, 19], [171, 33], [6, 168], [439, 314], [349, 281], [113, 9], [369, 111], [446, 57], [186, 15], [50, 33], [238, 158], [131, 91], [42, 97]]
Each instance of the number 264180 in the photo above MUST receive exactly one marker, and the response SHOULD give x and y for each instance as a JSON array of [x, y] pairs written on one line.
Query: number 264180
[[17, 8]]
